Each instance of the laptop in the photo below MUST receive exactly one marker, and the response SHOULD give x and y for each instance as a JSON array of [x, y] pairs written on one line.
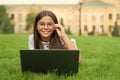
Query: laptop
[[44, 61]]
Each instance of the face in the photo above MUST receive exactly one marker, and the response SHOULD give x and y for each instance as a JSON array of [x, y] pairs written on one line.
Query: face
[[45, 27]]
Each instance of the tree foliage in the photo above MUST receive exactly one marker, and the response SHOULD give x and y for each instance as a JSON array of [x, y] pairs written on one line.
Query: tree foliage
[[62, 22], [116, 30], [68, 30], [3, 13], [5, 24], [30, 20]]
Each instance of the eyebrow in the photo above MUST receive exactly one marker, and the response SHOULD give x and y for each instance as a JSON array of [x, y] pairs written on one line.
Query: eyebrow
[[44, 22]]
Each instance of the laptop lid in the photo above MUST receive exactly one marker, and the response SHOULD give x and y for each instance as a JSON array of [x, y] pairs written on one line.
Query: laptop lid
[[43, 61]]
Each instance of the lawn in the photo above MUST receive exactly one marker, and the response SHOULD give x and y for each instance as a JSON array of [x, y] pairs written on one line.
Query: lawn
[[100, 59]]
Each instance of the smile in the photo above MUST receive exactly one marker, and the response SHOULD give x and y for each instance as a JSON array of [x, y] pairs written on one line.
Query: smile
[[46, 32]]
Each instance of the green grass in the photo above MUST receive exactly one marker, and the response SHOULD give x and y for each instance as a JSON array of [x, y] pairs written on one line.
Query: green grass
[[100, 59]]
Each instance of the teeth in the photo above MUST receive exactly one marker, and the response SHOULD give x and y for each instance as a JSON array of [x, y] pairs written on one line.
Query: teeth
[[45, 32]]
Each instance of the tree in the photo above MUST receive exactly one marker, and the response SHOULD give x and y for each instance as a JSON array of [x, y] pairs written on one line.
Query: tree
[[62, 22], [30, 20], [68, 31], [3, 14], [116, 30], [5, 24]]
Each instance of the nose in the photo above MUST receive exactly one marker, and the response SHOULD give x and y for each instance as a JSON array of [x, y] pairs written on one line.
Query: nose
[[46, 26]]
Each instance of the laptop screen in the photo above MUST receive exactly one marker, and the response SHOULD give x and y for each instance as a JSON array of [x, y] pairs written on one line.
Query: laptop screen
[[43, 61]]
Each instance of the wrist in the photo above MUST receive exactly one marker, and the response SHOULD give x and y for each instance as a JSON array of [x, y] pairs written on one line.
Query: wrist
[[64, 36]]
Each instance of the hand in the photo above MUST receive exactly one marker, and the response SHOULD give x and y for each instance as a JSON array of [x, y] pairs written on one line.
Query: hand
[[60, 30]]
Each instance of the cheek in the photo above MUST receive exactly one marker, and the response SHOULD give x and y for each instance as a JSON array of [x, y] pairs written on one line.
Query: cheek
[[38, 28], [53, 29]]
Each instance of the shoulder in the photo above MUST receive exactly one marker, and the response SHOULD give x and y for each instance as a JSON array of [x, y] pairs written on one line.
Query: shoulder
[[31, 41], [73, 40], [31, 37]]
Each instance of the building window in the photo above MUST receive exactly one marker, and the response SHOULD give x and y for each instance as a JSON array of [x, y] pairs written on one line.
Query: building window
[[110, 28], [19, 17], [118, 16], [93, 28], [110, 16], [20, 28], [12, 16], [85, 18], [93, 18], [102, 17], [101, 28], [85, 28]]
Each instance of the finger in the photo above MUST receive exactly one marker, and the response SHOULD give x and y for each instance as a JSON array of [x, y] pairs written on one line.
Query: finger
[[61, 28], [57, 27], [56, 24]]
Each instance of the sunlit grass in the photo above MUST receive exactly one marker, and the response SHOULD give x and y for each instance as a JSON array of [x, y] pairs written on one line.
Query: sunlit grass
[[100, 59]]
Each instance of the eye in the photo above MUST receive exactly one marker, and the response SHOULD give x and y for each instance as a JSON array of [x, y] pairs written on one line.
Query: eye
[[50, 24], [41, 24]]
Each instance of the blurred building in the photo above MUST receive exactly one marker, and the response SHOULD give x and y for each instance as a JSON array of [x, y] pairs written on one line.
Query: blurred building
[[82, 17], [99, 16]]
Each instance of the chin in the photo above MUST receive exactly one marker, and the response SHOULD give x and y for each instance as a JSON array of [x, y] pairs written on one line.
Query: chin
[[46, 35]]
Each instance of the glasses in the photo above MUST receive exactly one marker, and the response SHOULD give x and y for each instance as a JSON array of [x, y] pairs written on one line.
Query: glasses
[[43, 25]]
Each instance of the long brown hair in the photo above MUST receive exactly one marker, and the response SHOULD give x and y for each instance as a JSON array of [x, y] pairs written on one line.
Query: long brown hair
[[55, 42]]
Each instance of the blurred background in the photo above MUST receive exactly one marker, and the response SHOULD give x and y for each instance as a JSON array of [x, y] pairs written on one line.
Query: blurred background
[[79, 17]]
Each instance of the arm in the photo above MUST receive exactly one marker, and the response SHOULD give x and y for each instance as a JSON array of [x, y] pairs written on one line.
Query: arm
[[70, 44], [61, 32]]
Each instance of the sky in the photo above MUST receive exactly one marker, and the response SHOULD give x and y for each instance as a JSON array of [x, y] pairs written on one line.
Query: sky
[[47, 2]]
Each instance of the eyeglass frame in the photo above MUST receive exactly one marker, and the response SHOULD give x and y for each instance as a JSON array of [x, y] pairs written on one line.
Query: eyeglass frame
[[49, 25]]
